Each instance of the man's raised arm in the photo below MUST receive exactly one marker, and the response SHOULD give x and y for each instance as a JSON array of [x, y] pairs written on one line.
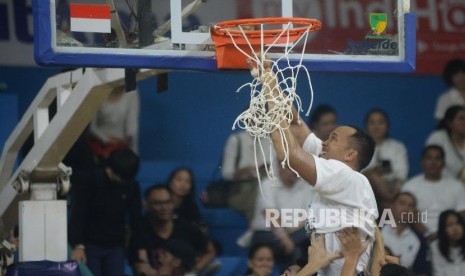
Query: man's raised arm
[[301, 161]]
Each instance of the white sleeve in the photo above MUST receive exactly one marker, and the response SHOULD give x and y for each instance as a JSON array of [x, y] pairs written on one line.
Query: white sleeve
[[435, 139], [328, 178], [313, 144], [228, 166]]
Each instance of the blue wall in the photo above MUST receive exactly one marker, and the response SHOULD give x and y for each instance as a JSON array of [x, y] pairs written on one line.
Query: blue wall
[[189, 123]]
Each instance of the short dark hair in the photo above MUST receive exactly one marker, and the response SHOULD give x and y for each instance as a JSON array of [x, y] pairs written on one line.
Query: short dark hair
[[394, 270], [364, 145], [155, 187], [183, 251], [319, 112], [124, 163], [433, 147], [407, 194], [452, 67]]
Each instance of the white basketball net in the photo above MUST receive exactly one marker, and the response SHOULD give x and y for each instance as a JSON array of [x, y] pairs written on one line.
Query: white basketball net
[[257, 120]]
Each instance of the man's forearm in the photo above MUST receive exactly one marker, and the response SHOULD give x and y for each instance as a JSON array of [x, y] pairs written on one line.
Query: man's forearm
[[350, 266]]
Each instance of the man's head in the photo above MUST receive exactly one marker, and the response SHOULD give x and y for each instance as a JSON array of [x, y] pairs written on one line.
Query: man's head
[[433, 161], [158, 203], [122, 165], [404, 203], [350, 145]]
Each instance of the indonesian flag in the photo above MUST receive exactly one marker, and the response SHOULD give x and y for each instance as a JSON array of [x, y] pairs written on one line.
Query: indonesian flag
[[90, 18]]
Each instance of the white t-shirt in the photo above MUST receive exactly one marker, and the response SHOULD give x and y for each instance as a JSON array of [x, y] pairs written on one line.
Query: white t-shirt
[[436, 197], [454, 159], [345, 195], [405, 246], [450, 98], [279, 197], [396, 153], [442, 267]]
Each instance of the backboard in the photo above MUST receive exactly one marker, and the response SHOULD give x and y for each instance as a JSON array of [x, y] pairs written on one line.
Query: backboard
[[357, 36]]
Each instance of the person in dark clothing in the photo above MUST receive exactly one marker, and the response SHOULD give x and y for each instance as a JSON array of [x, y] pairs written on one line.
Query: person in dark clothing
[[181, 185], [160, 229], [101, 201]]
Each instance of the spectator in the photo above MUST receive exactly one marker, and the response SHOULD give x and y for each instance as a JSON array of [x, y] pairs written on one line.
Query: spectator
[[100, 203], [286, 193], [181, 185], [404, 242], [159, 229], [433, 191], [116, 124], [454, 77], [239, 165], [389, 166], [323, 121], [448, 251], [261, 260], [451, 137]]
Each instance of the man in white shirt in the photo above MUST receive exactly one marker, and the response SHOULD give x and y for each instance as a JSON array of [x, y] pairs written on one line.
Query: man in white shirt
[[435, 192], [406, 244], [332, 168]]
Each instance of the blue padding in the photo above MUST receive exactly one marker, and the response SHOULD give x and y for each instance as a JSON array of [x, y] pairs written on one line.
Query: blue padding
[[44, 268], [45, 55]]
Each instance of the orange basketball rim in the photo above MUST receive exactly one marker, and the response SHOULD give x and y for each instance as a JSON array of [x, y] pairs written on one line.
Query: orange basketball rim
[[228, 37]]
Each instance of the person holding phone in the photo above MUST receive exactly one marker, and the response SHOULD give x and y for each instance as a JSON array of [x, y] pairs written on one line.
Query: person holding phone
[[388, 169]]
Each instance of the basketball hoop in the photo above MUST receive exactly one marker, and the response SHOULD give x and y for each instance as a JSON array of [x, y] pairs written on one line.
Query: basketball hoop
[[236, 45], [235, 42]]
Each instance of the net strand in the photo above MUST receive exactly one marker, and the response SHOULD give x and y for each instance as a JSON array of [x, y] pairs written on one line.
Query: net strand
[[259, 121]]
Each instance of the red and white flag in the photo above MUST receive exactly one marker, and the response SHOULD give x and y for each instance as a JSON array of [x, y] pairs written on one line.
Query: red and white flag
[[90, 18]]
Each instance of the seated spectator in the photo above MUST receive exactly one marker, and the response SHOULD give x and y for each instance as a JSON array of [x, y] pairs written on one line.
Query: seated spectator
[[116, 124], [404, 242], [181, 185], [100, 203], [261, 260], [433, 191], [454, 77], [159, 229], [389, 166], [287, 192], [451, 137], [448, 252], [323, 120]]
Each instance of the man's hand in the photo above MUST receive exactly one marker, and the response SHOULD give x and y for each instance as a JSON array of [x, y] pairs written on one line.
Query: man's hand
[[79, 254], [291, 271], [144, 269], [317, 253], [318, 257], [351, 243]]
